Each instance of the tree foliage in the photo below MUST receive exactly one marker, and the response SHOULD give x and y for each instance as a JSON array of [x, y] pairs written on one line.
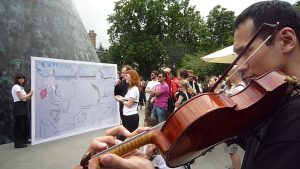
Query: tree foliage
[[297, 6], [103, 55], [201, 68], [151, 34], [219, 28], [218, 34]]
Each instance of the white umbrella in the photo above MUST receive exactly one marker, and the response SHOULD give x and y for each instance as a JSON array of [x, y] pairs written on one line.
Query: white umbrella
[[225, 55]]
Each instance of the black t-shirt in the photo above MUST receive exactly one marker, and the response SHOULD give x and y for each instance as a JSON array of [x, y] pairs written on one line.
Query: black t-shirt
[[121, 89], [279, 147], [183, 94]]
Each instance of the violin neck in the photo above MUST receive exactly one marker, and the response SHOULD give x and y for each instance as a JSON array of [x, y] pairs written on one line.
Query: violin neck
[[148, 137]]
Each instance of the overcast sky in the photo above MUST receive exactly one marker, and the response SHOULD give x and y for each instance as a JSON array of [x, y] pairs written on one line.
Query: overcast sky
[[94, 13]]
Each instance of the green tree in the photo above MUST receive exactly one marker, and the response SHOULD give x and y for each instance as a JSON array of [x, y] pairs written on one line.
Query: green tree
[[218, 34], [151, 34], [201, 68], [103, 55], [219, 28], [297, 6]]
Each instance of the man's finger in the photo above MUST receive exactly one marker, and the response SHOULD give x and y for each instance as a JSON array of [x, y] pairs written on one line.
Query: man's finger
[[117, 131], [101, 143], [94, 163], [138, 131], [134, 162]]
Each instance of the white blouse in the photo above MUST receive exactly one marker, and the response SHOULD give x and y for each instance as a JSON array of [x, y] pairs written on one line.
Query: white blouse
[[17, 88], [135, 94]]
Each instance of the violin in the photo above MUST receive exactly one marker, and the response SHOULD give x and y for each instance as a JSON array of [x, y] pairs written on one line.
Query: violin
[[198, 124]]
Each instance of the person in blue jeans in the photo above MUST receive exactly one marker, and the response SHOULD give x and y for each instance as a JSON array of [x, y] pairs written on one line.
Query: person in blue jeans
[[161, 94]]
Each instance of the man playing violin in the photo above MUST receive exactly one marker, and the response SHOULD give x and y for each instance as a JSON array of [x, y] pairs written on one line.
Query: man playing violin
[[272, 144], [275, 143]]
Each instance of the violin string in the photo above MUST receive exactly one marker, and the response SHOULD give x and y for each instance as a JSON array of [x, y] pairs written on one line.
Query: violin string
[[238, 67]]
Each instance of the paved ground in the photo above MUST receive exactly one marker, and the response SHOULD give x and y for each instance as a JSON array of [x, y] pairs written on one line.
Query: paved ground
[[65, 153]]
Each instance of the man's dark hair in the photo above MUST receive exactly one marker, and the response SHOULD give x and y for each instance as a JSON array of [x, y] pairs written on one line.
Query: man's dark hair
[[174, 74], [271, 12], [163, 73], [155, 72]]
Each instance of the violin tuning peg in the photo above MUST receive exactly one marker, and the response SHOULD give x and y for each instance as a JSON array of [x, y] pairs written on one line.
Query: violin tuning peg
[[291, 80]]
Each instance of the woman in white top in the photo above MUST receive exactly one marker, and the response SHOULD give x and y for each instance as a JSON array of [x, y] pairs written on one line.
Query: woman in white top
[[131, 100], [21, 125]]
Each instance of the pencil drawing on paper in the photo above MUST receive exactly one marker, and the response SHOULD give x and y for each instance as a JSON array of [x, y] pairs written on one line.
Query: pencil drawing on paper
[[73, 97]]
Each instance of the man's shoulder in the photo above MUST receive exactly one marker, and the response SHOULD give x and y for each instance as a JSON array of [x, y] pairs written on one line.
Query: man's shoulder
[[287, 117], [163, 87], [293, 104], [165, 84], [292, 101], [152, 83]]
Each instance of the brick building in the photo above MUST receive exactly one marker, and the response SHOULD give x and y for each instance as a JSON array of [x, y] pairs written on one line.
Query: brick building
[[92, 36]]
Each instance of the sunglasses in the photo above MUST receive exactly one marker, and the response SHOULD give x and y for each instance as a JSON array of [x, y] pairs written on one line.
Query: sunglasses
[[160, 76]]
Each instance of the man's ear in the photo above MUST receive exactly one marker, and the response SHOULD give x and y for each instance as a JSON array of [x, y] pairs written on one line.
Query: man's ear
[[289, 39]]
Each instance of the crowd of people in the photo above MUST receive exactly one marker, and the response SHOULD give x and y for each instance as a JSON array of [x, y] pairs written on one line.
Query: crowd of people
[[165, 85], [164, 90]]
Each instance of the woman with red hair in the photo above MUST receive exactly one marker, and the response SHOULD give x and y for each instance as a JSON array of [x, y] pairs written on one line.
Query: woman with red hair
[[131, 100]]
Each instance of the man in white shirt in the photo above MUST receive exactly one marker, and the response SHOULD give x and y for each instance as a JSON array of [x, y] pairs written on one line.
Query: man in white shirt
[[150, 88]]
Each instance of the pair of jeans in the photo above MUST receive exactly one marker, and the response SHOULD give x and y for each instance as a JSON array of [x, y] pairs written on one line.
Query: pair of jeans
[[159, 113]]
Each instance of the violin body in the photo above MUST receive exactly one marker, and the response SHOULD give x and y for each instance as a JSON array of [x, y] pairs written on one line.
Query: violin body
[[210, 118]]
